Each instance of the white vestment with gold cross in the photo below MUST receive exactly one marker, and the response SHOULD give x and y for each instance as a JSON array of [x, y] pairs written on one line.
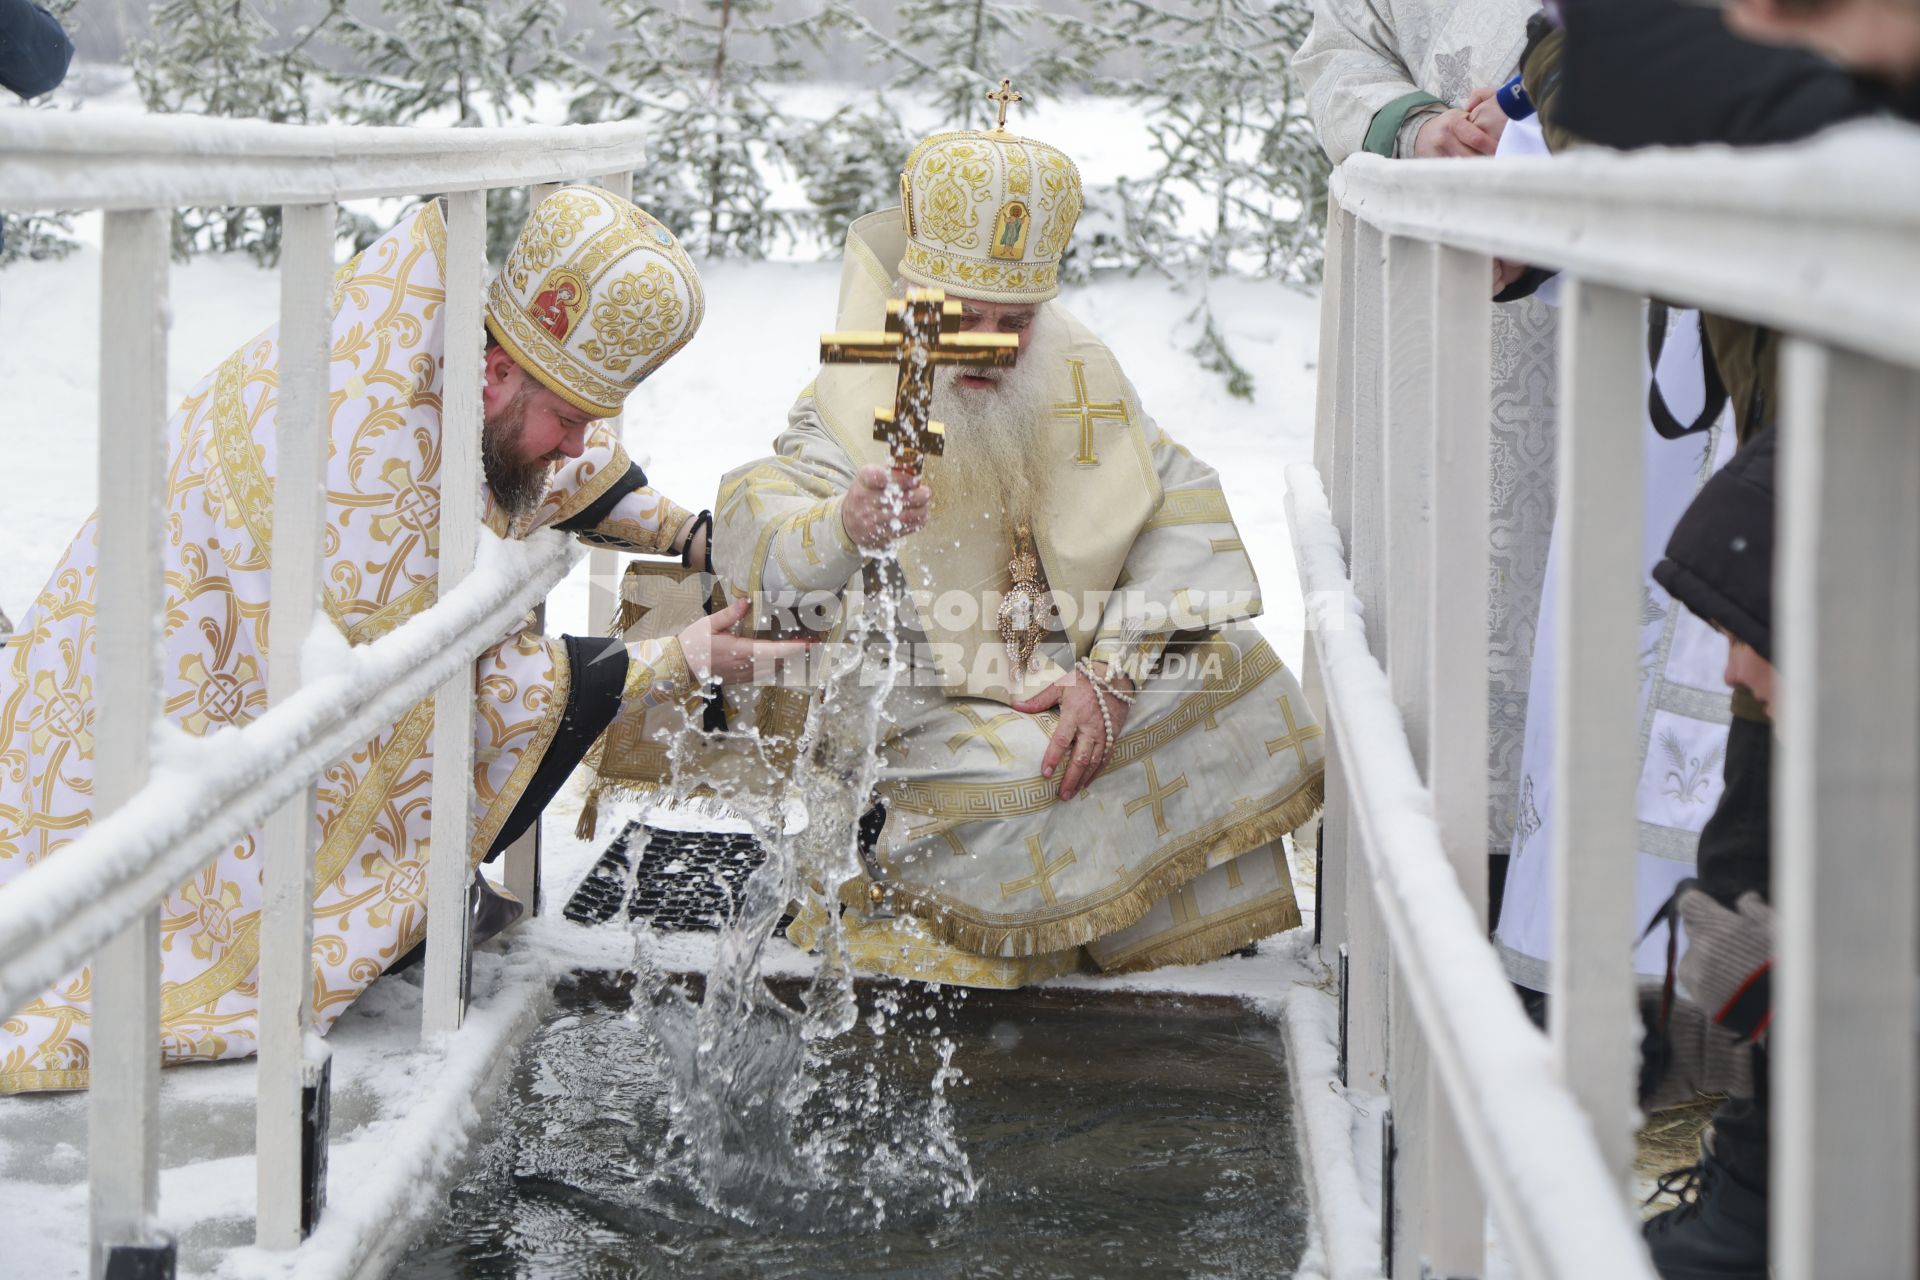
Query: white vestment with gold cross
[[1174, 852], [380, 569]]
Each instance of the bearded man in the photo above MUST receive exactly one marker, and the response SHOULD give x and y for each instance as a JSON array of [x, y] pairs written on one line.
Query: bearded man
[[551, 372], [1113, 781]]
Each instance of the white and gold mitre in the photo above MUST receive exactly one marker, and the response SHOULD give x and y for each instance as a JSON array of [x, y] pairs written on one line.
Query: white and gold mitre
[[988, 215], [594, 297]]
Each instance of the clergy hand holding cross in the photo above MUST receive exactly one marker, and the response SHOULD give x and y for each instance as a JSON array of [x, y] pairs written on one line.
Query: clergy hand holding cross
[[922, 331]]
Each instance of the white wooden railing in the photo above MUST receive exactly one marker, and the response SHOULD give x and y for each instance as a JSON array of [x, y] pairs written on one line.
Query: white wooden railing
[[1823, 242], [153, 827]]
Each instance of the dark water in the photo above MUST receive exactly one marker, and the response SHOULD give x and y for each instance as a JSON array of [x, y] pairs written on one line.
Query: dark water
[[1104, 1136]]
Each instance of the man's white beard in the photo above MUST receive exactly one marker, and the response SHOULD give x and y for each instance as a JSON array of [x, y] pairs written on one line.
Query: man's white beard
[[994, 462]]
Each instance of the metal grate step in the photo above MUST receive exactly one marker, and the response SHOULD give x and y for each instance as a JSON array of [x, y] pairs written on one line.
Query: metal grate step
[[688, 881]]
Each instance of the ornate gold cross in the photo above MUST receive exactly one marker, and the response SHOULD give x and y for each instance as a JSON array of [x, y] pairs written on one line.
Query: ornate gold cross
[[923, 330], [1003, 97], [1085, 412]]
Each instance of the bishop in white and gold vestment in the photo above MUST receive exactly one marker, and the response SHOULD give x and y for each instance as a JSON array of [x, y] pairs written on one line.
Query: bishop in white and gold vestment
[[981, 873], [595, 296]]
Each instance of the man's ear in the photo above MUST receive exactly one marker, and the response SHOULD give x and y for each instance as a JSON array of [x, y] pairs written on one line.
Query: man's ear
[[498, 366]]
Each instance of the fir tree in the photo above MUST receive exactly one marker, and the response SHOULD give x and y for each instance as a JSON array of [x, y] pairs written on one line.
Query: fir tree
[[1239, 181], [949, 54], [224, 58], [478, 60], [698, 74], [851, 162]]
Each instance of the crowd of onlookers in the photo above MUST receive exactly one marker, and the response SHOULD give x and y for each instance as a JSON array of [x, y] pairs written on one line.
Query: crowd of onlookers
[[1407, 79]]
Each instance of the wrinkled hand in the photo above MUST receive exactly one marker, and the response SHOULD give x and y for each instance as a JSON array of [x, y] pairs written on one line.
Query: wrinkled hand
[[1452, 134], [715, 654], [1081, 739], [872, 519]]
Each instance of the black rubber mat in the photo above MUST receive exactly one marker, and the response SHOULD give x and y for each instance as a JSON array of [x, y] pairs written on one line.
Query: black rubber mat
[[688, 881]]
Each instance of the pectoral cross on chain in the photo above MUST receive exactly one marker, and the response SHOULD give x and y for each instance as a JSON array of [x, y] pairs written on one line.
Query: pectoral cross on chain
[[922, 331]]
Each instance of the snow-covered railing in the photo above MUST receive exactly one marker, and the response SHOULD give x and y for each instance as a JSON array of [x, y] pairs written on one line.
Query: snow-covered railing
[[1821, 241], [163, 811]]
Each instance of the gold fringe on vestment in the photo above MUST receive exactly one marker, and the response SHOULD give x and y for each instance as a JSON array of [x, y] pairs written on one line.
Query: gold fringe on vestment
[[983, 938]]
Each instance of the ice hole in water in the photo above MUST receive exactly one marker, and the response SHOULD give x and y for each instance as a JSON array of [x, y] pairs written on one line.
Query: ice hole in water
[[734, 1124]]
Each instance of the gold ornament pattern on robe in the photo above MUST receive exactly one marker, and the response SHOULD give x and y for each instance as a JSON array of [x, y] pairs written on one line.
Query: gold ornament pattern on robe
[[380, 569]]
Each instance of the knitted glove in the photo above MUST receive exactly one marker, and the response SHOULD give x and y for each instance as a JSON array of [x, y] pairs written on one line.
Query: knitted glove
[[1728, 967], [1689, 1056]]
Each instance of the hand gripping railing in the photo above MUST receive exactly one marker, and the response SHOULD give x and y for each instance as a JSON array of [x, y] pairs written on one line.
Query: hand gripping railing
[[1821, 241], [158, 820]]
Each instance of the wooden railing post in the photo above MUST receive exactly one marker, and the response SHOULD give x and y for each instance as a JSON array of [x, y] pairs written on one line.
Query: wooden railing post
[[1596, 753], [1406, 433], [123, 1125], [287, 1206], [1457, 679], [1333, 415], [1368, 984], [448, 871], [520, 862], [1847, 612], [1406, 436], [603, 566]]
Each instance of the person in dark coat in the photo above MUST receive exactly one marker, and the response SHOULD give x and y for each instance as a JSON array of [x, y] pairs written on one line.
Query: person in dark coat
[[1877, 38], [1719, 564], [34, 51]]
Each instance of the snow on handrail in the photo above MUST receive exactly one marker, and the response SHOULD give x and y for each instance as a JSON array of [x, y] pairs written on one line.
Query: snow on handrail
[[129, 160], [1559, 1213], [206, 793], [1821, 238]]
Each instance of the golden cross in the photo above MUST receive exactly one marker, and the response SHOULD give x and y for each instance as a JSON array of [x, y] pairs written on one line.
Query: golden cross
[[1085, 412], [985, 730], [1157, 797], [1043, 873], [1003, 97], [1297, 738], [922, 331]]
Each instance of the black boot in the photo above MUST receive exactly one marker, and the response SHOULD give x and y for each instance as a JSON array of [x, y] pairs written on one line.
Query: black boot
[[1717, 1232]]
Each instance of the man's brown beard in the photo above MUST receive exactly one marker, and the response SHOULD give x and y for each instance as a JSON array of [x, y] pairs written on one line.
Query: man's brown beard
[[518, 483]]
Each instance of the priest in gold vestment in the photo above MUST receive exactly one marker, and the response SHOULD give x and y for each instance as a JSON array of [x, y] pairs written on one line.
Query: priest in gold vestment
[[1106, 776], [594, 297]]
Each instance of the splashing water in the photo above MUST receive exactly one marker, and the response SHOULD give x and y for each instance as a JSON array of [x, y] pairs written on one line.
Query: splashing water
[[743, 1065]]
